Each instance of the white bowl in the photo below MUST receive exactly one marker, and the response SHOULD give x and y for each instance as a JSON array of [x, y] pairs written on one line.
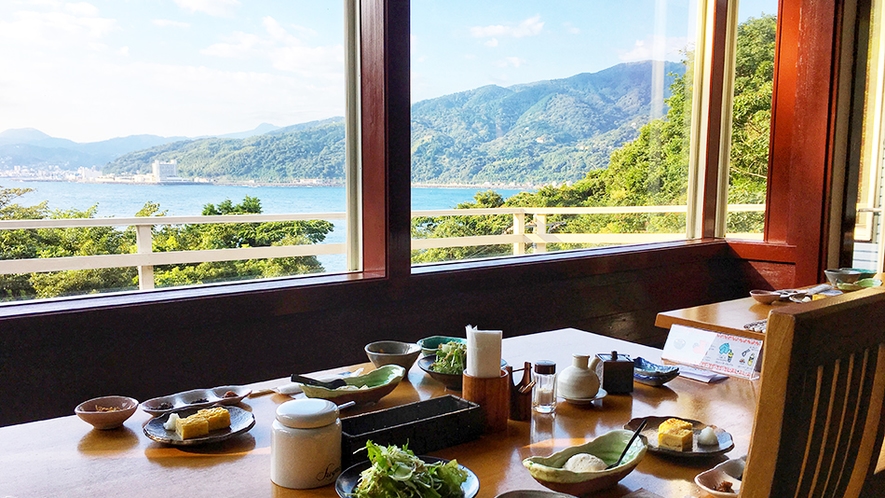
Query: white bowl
[[730, 470]]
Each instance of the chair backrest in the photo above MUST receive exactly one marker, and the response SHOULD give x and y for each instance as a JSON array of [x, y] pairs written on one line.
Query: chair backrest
[[819, 428]]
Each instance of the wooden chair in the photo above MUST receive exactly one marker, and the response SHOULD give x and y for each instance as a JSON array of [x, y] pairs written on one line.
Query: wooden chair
[[819, 428]]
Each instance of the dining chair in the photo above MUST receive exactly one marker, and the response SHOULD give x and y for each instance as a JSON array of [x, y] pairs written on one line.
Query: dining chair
[[819, 428]]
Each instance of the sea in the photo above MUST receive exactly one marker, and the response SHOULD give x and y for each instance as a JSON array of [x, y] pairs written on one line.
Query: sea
[[124, 200]]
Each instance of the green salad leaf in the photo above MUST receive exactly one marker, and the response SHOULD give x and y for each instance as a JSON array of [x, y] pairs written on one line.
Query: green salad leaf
[[451, 358], [397, 473]]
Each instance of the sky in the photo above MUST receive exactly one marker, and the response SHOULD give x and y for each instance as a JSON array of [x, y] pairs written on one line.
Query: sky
[[94, 70]]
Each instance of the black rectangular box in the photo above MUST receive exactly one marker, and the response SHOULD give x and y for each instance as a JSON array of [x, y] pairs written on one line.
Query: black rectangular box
[[426, 426]]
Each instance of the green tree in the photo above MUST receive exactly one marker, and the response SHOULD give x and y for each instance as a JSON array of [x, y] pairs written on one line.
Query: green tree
[[751, 120], [463, 226], [66, 242], [236, 235], [652, 169]]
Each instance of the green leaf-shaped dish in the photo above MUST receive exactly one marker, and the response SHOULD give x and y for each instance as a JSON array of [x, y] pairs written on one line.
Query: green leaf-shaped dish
[[549, 472], [361, 389]]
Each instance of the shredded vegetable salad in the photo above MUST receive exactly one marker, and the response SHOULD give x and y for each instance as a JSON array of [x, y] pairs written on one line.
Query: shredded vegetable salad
[[451, 358], [397, 473]]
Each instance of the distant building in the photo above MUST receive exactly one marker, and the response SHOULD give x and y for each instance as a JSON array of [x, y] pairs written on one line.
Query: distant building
[[88, 174], [166, 171]]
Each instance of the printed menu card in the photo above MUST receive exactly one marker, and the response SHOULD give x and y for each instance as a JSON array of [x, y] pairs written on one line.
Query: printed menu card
[[715, 351]]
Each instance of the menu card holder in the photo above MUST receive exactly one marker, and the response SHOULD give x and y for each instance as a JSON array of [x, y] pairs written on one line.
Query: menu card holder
[[493, 397]]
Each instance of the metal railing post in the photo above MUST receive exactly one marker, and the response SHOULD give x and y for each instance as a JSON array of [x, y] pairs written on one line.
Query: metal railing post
[[144, 244], [519, 229], [540, 229]]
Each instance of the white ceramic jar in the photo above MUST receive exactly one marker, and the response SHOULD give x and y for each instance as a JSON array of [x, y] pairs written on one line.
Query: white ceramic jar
[[578, 381], [305, 446]]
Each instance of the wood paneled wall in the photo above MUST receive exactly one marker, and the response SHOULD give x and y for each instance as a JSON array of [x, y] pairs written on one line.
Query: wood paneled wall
[[50, 363]]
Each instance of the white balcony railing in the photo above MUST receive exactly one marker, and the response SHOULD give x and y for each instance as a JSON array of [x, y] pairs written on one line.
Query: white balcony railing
[[145, 259]]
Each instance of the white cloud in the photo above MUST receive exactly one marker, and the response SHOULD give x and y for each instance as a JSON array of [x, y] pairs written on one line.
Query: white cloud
[[284, 50], [82, 9], [655, 48], [56, 29], [530, 27], [168, 23], [571, 28], [492, 42], [510, 62], [219, 8], [70, 78]]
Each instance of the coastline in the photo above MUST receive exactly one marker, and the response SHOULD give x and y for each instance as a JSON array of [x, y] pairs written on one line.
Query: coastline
[[302, 183]]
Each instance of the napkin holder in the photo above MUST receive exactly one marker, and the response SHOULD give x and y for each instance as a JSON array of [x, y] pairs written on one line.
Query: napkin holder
[[493, 397]]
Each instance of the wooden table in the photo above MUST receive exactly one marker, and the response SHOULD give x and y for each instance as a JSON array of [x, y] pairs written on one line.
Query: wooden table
[[728, 317], [65, 457]]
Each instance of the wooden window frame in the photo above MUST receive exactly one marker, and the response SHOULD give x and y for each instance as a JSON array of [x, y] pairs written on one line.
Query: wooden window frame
[[802, 139]]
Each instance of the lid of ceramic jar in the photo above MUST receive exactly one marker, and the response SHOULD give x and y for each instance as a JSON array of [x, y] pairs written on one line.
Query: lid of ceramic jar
[[307, 413], [614, 356]]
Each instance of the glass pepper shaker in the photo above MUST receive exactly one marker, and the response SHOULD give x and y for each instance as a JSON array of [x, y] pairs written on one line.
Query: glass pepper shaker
[[544, 393]]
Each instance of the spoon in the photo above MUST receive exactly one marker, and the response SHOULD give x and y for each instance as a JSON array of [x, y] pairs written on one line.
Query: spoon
[[635, 433], [332, 384]]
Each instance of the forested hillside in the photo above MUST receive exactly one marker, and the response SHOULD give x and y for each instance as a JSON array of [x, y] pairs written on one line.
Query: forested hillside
[[547, 131], [651, 170]]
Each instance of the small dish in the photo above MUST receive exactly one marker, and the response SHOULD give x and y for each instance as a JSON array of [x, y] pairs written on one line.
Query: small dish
[[532, 493], [452, 382], [240, 422], [842, 275], [348, 479], [652, 374], [430, 344], [726, 443], [654, 381], [644, 367], [864, 273], [584, 401], [400, 353], [765, 296], [361, 389], [196, 398], [860, 284], [548, 470], [106, 412], [731, 471]]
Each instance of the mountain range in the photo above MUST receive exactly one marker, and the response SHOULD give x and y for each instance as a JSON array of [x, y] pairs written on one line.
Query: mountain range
[[541, 132]]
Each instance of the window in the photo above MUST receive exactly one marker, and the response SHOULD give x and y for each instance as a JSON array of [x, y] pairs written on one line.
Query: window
[[750, 122], [868, 234], [585, 108], [171, 111]]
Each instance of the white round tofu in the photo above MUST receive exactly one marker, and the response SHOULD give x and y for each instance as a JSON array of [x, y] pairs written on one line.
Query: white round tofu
[[584, 462]]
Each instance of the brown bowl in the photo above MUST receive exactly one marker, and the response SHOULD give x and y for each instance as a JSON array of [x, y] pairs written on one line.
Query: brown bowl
[[399, 353], [107, 412], [765, 296]]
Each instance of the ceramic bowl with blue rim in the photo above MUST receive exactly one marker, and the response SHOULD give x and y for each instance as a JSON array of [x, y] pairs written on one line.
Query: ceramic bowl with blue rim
[[653, 374]]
